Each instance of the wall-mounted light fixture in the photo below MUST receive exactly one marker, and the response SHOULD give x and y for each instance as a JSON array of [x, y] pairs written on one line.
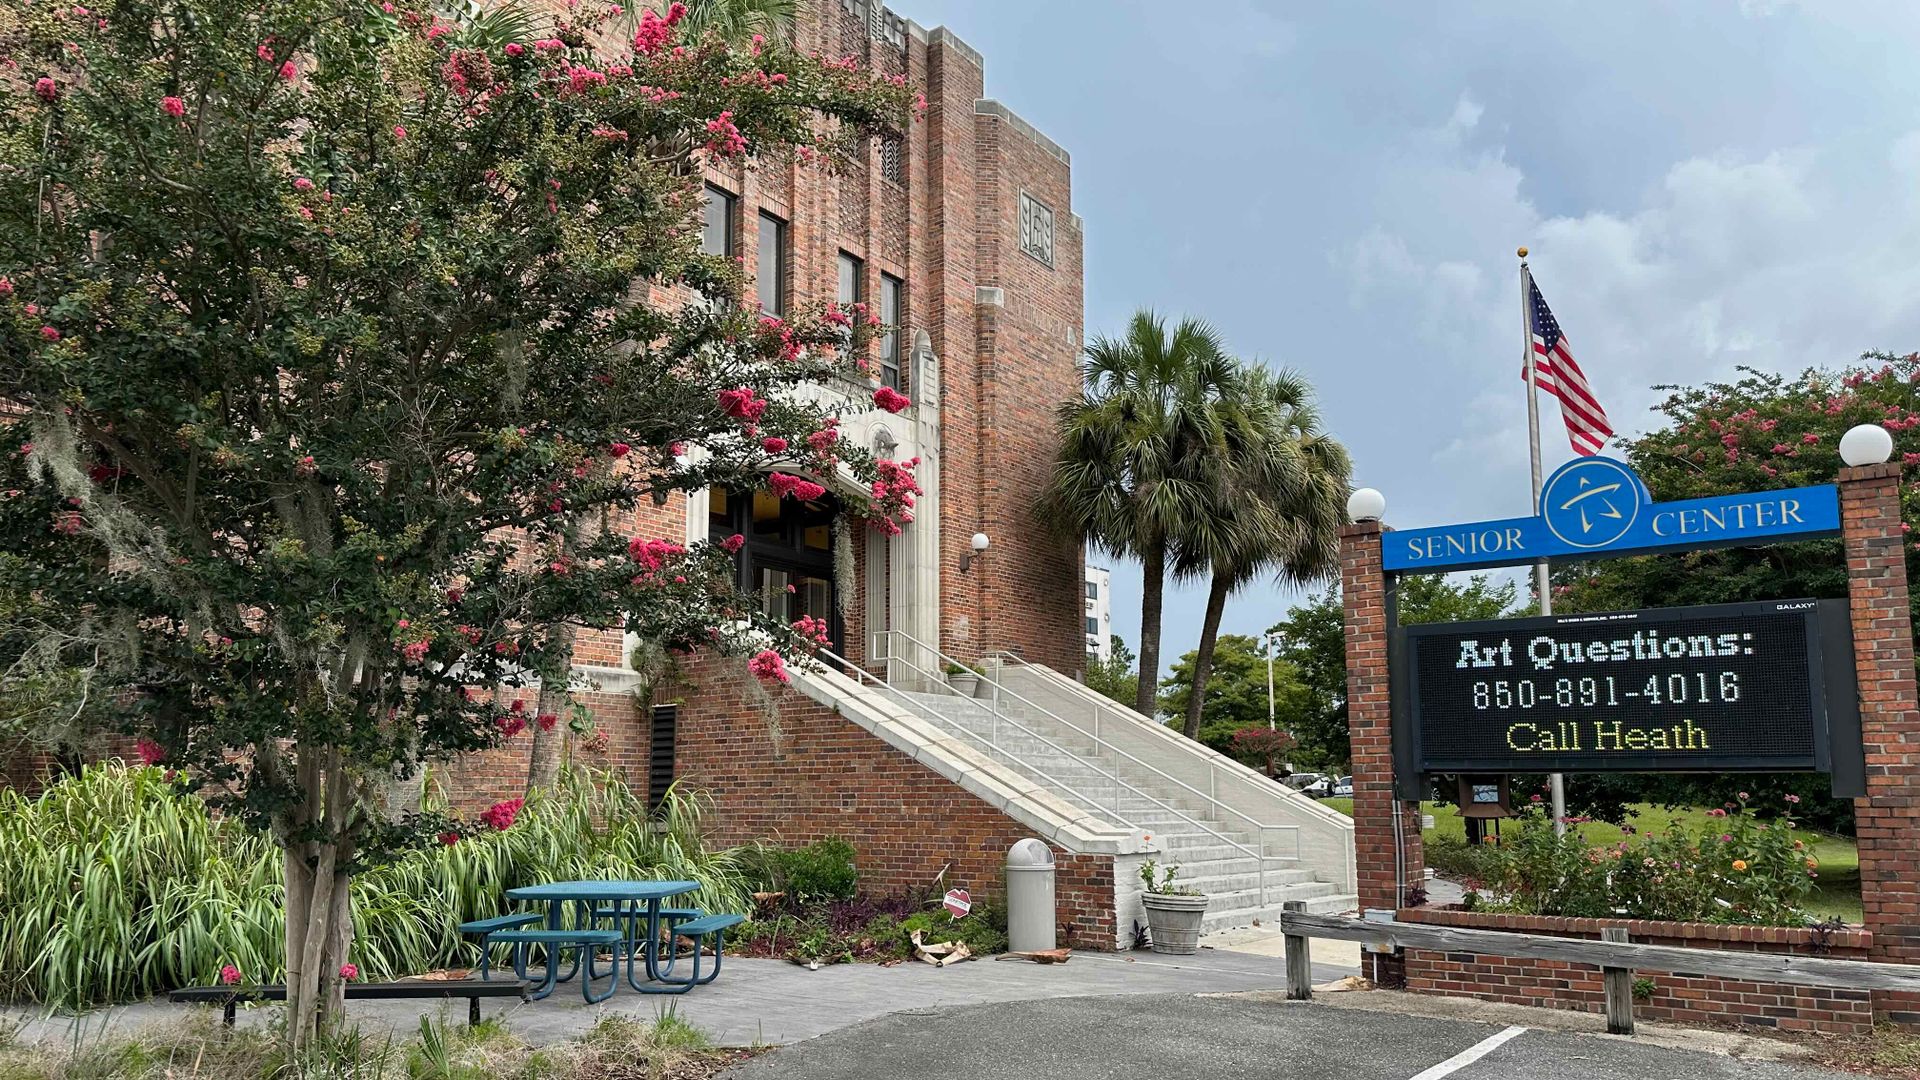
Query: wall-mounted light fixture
[[979, 551]]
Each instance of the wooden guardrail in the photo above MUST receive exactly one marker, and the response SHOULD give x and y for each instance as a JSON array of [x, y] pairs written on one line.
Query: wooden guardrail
[[1616, 958]]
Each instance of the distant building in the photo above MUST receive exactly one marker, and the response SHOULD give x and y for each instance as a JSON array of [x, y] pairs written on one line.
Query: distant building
[[1099, 621]]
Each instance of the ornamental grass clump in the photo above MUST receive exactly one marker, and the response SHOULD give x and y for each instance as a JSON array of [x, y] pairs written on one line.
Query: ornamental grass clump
[[117, 883], [1734, 868]]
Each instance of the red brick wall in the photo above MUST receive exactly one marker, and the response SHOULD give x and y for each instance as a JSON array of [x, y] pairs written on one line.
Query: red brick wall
[[1888, 818], [1369, 720], [1687, 997], [808, 773]]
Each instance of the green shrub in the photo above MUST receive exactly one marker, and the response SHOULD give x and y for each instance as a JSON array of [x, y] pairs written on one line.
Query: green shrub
[[116, 884], [1732, 869], [822, 871]]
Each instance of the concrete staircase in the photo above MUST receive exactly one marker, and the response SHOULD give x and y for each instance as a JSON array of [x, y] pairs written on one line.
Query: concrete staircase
[[1249, 844]]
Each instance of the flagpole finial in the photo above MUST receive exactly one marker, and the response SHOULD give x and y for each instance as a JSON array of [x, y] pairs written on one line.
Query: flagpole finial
[[1522, 252]]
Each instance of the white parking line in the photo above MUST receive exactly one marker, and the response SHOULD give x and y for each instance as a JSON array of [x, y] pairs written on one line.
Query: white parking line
[[1470, 1055]]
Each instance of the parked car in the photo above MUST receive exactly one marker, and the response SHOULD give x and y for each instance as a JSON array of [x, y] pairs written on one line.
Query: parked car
[[1343, 788], [1301, 780], [1320, 788]]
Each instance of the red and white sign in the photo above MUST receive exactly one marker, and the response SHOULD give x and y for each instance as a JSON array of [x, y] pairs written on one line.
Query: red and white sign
[[958, 903]]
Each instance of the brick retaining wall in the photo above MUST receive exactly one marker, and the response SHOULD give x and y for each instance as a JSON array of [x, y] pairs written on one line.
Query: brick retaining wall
[[1676, 996]]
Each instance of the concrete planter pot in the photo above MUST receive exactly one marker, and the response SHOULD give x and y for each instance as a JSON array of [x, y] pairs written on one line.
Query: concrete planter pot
[[964, 683], [1173, 922]]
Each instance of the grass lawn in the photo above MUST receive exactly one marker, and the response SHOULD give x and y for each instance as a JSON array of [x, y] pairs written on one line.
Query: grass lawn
[[1837, 894]]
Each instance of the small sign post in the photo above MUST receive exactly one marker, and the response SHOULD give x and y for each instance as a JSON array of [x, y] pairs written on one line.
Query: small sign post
[[958, 903]]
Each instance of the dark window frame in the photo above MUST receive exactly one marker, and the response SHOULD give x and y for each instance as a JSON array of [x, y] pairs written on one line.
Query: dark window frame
[[890, 350], [785, 550], [859, 278], [782, 251], [730, 224]]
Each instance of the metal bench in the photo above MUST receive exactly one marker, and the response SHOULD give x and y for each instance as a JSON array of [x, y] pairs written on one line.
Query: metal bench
[[714, 926], [229, 997], [486, 928], [585, 941]]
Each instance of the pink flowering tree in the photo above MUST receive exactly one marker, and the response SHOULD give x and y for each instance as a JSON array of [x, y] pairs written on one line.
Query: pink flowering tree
[[1759, 432], [326, 324]]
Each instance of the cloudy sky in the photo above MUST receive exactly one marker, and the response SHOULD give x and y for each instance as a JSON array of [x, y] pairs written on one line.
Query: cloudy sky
[[1339, 188]]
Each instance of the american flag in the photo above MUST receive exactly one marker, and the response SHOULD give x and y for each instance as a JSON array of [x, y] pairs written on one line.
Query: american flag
[[1557, 374]]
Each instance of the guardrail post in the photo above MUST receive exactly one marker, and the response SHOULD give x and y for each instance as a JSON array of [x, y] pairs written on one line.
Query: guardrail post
[[1619, 986], [1299, 956]]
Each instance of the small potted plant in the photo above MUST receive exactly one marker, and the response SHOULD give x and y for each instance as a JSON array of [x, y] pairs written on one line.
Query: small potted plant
[[1174, 910], [963, 679]]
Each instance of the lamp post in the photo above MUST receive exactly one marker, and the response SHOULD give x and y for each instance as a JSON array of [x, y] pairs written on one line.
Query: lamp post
[[1272, 640]]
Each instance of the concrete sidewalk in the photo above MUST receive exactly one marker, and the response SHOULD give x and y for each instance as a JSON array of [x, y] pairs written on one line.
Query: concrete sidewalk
[[774, 1002]]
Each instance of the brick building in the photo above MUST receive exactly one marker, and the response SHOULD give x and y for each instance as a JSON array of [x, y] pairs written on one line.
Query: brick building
[[962, 233]]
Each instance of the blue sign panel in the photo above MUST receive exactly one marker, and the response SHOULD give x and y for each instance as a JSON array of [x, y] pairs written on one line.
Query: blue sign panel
[[1597, 508]]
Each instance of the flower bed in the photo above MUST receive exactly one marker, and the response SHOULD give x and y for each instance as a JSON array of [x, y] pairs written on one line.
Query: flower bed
[[1734, 868]]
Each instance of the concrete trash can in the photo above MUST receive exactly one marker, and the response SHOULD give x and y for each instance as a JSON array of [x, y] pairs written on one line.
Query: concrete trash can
[[1030, 904]]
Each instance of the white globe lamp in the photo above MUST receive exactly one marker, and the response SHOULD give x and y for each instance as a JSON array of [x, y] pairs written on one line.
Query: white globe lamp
[[1866, 444], [1366, 504]]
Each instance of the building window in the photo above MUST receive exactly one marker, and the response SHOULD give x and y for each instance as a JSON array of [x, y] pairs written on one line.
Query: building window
[[716, 226], [1093, 590], [1036, 228], [786, 557], [772, 268], [1093, 626], [890, 287], [852, 274], [893, 159]]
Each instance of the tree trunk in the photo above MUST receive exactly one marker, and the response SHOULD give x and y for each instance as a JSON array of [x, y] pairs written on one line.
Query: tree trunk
[[1154, 574], [319, 913], [549, 747], [1203, 657]]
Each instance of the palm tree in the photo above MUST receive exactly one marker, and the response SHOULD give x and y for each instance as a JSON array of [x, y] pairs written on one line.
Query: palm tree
[[738, 20], [1277, 490], [1130, 475]]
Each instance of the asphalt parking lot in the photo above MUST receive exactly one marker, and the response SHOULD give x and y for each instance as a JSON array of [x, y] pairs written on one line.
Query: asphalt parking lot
[[1188, 1037]]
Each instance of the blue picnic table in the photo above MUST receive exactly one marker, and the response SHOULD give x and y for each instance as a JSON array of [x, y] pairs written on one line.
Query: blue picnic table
[[632, 904]]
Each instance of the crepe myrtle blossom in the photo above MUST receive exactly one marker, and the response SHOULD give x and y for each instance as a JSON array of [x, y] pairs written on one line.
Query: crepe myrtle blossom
[[229, 975], [890, 399], [742, 404], [767, 666], [173, 106], [45, 88], [784, 485], [349, 972]]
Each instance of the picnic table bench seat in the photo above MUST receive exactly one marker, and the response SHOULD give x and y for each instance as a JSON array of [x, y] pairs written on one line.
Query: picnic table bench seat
[[229, 997], [486, 928], [586, 940], [714, 926]]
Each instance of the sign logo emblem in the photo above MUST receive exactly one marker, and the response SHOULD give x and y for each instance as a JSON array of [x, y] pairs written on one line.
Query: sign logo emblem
[[1591, 502]]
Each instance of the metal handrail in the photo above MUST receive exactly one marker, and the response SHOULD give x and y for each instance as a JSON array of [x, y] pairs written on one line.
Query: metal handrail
[[960, 725], [1001, 688], [1095, 736], [1130, 719]]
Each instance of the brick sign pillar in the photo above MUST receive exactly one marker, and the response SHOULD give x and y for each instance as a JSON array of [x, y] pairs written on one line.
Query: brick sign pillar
[[1363, 589], [1888, 818]]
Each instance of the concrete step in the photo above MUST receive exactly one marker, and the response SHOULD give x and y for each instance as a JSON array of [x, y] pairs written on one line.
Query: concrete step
[[1224, 918]]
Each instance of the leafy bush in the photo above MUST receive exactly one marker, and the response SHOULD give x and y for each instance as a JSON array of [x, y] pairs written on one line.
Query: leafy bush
[[822, 871], [1733, 869], [117, 883]]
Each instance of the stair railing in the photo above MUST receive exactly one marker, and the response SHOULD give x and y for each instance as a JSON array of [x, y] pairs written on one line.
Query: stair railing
[[916, 705], [1002, 692]]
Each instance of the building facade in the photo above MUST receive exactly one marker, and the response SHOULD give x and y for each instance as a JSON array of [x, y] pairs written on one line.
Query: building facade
[[961, 233], [1099, 618]]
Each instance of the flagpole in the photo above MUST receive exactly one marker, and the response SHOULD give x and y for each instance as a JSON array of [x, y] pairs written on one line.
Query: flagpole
[[1542, 586]]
